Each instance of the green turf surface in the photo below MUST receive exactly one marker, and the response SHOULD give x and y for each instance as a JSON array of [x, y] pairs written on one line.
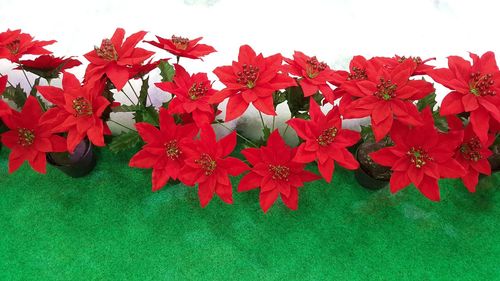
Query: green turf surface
[[110, 226]]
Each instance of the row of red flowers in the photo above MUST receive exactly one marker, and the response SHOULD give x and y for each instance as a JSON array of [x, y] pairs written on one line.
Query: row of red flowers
[[180, 143]]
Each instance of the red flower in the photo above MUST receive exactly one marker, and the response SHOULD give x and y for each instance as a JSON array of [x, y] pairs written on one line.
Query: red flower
[[275, 172], [313, 73], [48, 66], [386, 94], [192, 93], [14, 45], [472, 154], [4, 107], [116, 59], [358, 68], [77, 110], [324, 141], [163, 150], [183, 47], [421, 155], [421, 68], [139, 71], [475, 89], [208, 165], [29, 139], [251, 79]]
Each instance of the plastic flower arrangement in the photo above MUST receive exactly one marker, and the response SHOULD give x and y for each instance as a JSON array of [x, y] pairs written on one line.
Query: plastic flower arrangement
[[410, 139]]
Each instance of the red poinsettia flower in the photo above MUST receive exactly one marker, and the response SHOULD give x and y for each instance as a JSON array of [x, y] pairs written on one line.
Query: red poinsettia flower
[[251, 79], [29, 139], [4, 107], [183, 47], [14, 44], [138, 71], [421, 68], [314, 75], [77, 110], [386, 94], [472, 154], [475, 89], [163, 151], [421, 155], [116, 59], [48, 66], [275, 172], [324, 141], [208, 165], [192, 93]]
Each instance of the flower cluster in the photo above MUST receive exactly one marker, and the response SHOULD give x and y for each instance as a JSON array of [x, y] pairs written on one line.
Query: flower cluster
[[422, 143]]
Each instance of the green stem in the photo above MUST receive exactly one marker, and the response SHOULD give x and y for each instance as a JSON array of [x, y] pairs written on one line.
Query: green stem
[[128, 97], [121, 125], [26, 76], [286, 129], [262, 120], [274, 119], [238, 134], [133, 90]]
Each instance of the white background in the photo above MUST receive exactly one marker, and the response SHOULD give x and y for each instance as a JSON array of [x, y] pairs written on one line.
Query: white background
[[334, 31]]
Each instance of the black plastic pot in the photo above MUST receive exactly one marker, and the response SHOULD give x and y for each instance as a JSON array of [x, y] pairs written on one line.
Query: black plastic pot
[[370, 175], [495, 158], [75, 165]]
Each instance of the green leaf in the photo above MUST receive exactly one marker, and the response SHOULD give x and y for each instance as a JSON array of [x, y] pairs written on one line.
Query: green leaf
[[148, 115], [296, 100], [278, 98], [440, 121], [33, 89], [429, 100], [126, 108], [167, 71], [143, 95], [17, 95], [124, 141], [367, 134], [303, 115]]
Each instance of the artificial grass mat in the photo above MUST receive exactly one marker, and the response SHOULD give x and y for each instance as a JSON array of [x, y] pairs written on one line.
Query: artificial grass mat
[[110, 226]]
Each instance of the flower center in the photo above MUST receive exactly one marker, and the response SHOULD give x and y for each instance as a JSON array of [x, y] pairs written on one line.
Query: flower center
[[471, 149], [82, 107], [417, 60], [327, 136], [13, 46], [248, 75], [480, 85], [180, 43], [279, 172], [314, 67], [418, 156], [172, 150], [107, 50], [197, 91], [26, 137], [357, 74], [206, 163], [385, 89]]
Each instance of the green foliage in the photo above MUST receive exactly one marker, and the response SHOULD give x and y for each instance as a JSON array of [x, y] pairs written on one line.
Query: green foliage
[[278, 98], [16, 94], [126, 108], [367, 134], [124, 141], [143, 95], [167, 71], [147, 114], [429, 100]]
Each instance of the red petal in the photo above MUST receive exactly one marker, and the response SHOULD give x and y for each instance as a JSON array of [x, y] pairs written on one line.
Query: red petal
[[267, 199], [399, 180], [249, 181], [143, 159], [118, 75], [265, 105], [470, 180], [159, 178], [236, 106], [479, 120], [206, 192], [234, 166], [291, 201], [429, 188], [326, 170], [451, 169], [452, 104]]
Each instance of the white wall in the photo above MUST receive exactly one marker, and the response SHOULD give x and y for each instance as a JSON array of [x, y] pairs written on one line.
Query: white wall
[[332, 30]]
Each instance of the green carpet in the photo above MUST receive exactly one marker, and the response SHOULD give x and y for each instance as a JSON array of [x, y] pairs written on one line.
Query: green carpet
[[110, 226]]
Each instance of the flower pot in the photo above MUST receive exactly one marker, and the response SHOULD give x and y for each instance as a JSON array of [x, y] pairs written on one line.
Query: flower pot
[[75, 165], [371, 175], [495, 158]]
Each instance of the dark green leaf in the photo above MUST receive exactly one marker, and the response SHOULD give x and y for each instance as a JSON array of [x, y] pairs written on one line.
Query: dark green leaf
[[33, 89], [144, 92], [278, 98], [429, 100], [440, 121], [367, 134], [126, 108], [148, 115], [167, 71], [17, 95], [124, 141], [303, 115]]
